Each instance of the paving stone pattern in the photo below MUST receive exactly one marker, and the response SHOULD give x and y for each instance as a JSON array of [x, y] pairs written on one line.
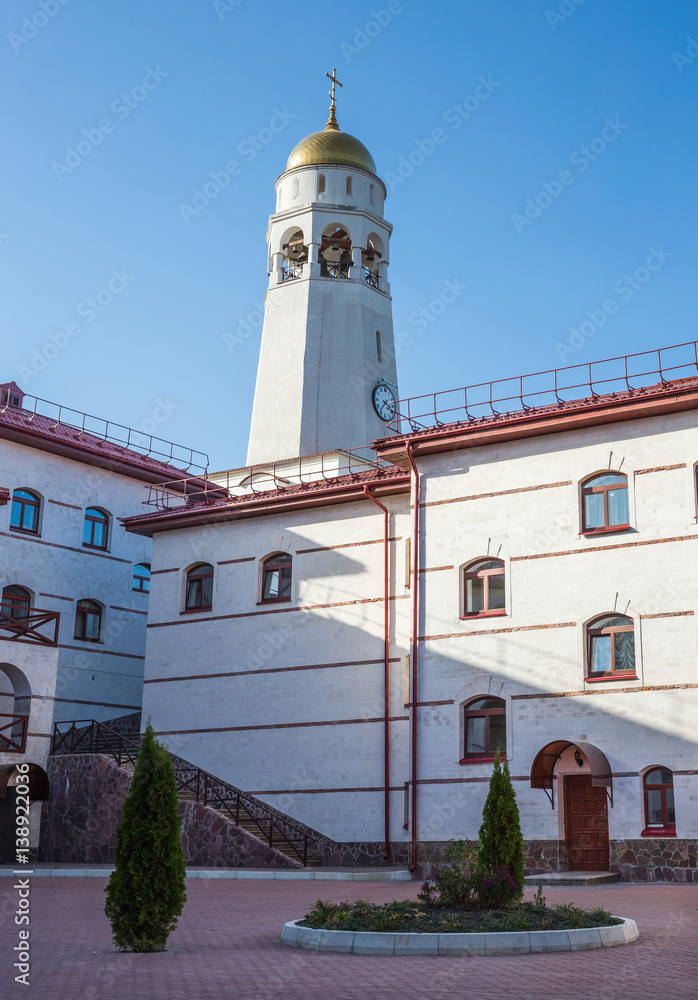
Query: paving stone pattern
[[230, 940]]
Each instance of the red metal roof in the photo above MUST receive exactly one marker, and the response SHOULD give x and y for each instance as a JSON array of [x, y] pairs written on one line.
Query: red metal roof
[[341, 489], [55, 435]]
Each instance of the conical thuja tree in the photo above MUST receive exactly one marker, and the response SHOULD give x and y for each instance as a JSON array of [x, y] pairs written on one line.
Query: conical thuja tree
[[501, 842], [145, 894]]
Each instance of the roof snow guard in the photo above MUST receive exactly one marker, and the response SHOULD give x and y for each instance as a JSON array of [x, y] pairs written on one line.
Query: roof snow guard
[[210, 498], [551, 391], [59, 429]]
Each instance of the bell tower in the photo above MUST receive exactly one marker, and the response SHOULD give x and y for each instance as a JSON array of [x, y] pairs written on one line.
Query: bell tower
[[326, 374]]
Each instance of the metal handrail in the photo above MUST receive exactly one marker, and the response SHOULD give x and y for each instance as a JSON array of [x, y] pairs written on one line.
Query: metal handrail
[[550, 390], [23, 624], [17, 742], [330, 269], [280, 475], [90, 736], [372, 278], [147, 445]]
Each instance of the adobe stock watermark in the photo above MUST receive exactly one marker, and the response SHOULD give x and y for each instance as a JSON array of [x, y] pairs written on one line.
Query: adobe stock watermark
[[248, 150], [624, 288], [564, 12], [454, 116], [32, 24], [225, 7], [688, 56], [420, 321], [121, 107], [88, 310], [581, 159], [245, 328], [378, 22], [162, 411]]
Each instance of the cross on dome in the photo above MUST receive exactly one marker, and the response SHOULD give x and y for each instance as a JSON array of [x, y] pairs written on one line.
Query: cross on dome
[[332, 120]]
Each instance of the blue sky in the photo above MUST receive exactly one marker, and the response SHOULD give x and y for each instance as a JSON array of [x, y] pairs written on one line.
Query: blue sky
[[604, 94]]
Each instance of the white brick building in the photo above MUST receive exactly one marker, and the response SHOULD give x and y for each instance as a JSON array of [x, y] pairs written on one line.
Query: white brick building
[[74, 584], [529, 586]]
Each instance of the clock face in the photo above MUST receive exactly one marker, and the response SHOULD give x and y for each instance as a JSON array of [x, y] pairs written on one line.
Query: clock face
[[384, 402]]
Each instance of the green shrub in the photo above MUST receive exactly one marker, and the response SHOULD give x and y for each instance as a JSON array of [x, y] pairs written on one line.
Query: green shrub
[[145, 894], [501, 842]]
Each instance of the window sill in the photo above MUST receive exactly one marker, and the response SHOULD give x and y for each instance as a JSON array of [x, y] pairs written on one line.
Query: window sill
[[486, 759], [614, 529], [274, 600], [483, 614], [24, 531], [95, 548], [659, 831], [196, 611], [80, 638], [610, 677]]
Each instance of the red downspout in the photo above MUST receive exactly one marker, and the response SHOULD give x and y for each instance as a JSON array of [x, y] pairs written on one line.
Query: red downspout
[[415, 643], [386, 672]]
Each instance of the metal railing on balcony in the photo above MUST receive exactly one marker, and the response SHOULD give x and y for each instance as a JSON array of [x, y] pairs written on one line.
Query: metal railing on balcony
[[290, 270], [371, 278], [13, 732], [88, 736], [553, 390], [328, 269], [20, 624]]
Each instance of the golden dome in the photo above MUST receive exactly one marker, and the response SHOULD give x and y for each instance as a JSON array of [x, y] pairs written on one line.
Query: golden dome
[[331, 146]]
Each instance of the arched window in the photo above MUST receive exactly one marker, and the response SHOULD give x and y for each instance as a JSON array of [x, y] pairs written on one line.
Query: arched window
[[379, 349], [199, 595], [25, 511], [348, 185], [660, 814], [88, 621], [276, 577], [605, 503], [95, 532], [484, 728], [16, 602], [141, 577], [484, 588], [321, 184], [371, 193], [295, 187], [611, 647]]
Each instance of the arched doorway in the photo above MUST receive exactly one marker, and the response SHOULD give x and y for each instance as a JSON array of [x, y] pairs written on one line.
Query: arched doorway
[[38, 792], [583, 778]]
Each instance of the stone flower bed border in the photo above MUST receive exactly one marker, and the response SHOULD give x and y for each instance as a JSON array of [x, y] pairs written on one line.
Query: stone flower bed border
[[492, 943]]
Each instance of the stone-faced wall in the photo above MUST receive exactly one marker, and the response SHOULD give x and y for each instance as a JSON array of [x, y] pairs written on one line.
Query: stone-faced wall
[[655, 860], [84, 808]]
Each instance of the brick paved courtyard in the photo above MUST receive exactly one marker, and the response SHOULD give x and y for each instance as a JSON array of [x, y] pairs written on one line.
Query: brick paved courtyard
[[228, 947]]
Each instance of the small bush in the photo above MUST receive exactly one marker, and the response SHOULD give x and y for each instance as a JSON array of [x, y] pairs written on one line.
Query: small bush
[[494, 888]]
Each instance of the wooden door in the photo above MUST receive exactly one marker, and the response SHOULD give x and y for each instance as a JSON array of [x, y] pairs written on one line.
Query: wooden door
[[586, 824]]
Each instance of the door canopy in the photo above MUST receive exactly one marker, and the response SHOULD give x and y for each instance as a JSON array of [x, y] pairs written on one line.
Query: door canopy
[[546, 759]]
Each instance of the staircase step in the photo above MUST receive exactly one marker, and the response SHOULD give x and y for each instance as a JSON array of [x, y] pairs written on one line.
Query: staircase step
[[571, 878]]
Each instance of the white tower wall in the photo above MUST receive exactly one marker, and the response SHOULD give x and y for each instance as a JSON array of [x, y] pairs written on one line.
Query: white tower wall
[[319, 358]]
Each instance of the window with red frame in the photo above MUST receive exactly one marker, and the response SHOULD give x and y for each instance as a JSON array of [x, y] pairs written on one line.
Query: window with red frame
[[24, 515], [88, 621], [141, 578], [484, 588], [485, 728], [611, 647], [276, 578], [199, 595], [605, 503], [95, 532], [16, 602], [660, 814]]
